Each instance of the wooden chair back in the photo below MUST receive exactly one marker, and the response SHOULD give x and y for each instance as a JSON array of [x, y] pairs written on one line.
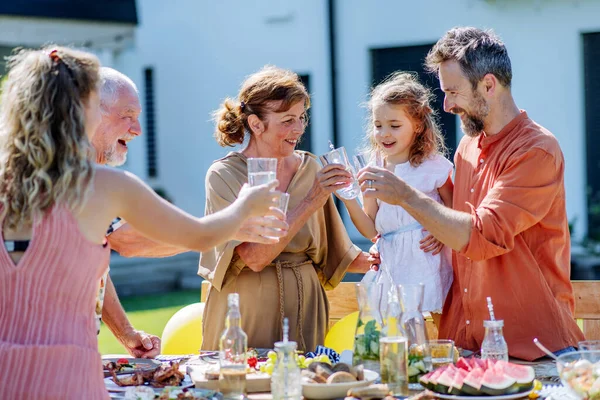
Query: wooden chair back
[[342, 301], [587, 307]]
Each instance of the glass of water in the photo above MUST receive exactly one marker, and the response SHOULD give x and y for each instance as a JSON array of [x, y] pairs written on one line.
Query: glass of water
[[339, 156], [393, 359], [442, 352], [589, 345], [261, 171], [284, 200]]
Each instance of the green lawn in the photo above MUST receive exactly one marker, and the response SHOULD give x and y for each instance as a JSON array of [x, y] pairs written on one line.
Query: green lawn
[[148, 313]]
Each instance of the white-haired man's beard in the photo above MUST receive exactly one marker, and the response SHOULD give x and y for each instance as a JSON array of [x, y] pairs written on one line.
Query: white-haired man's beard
[[113, 158], [473, 123]]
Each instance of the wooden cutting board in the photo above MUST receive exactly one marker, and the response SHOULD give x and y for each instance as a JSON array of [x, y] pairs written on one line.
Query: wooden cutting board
[[255, 382]]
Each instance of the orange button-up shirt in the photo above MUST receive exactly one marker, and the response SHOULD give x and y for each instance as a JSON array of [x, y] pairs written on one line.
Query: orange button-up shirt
[[512, 184]]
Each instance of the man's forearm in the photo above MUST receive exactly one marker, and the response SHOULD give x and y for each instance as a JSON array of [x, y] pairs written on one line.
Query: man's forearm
[[113, 314], [451, 227]]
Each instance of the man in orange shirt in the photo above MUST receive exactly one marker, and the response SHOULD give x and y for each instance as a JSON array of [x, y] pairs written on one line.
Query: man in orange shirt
[[508, 225]]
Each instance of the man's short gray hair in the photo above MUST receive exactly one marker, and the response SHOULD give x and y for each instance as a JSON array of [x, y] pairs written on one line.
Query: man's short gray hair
[[478, 53], [111, 83]]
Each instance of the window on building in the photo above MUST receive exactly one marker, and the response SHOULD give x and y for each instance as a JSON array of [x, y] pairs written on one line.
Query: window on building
[[150, 133], [305, 142], [591, 57], [411, 58]]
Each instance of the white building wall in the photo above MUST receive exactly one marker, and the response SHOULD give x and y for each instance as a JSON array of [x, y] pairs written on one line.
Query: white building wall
[[201, 51], [544, 41]]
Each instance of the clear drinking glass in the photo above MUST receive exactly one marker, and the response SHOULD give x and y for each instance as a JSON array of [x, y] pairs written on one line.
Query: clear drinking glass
[[393, 360], [339, 156], [442, 352], [589, 345], [284, 200], [261, 171]]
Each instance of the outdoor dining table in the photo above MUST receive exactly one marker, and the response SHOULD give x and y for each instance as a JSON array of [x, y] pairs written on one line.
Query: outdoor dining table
[[545, 371]]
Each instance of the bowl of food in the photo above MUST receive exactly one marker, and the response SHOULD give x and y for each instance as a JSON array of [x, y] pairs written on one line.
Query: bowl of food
[[580, 372], [324, 381]]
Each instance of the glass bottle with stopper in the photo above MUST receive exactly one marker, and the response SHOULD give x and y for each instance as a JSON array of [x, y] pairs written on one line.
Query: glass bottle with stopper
[[286, 380], [233, 346], [494, 346]]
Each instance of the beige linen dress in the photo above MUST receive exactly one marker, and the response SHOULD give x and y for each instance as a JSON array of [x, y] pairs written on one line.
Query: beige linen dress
[[294, 284]]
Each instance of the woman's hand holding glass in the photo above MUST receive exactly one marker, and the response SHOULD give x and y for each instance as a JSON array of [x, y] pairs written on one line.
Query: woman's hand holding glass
[[329, 179], [267, 221]]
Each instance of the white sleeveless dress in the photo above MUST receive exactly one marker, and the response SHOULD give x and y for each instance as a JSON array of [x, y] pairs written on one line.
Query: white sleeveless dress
[[401, 258]]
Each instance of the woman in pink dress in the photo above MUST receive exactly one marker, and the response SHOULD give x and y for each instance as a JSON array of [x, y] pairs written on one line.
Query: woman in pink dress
[[55, 206]]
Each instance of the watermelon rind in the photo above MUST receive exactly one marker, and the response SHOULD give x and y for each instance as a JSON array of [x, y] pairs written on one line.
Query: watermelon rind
[[424, 380], [444, 381], [496, 383], [524, 375], [433, 378], [472, 382], [457, 382]]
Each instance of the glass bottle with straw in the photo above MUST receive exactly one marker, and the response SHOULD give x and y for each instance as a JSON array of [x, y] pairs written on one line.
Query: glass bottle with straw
[[493, 346], [286, 381]]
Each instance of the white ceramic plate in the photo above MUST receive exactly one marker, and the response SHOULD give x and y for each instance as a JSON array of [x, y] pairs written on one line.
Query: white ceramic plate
[[503, 397], [335, 390]]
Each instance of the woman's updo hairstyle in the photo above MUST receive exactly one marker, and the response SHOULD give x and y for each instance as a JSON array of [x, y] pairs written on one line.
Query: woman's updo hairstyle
[[257, 95]]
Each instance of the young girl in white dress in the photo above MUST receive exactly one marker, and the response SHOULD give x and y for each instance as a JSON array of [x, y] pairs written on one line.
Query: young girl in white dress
[[403, 132]]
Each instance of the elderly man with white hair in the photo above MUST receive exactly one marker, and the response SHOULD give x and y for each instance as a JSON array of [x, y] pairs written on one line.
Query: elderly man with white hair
[[121, 108]]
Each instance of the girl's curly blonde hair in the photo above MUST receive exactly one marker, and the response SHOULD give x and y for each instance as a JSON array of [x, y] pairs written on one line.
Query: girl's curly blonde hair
[[404, 88], [45, 155]]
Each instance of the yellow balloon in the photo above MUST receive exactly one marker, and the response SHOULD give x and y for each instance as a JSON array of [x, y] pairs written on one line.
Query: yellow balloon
[[183, 332], [341, 335]]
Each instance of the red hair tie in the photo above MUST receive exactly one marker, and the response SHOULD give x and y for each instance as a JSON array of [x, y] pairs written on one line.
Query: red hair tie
[[54, 55]]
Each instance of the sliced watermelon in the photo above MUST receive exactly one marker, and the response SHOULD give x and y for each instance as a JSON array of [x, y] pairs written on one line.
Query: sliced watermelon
[[424, 380], [489, 363], [496, 383], [444, 381], [457, 382], [472, 382], [463, 363], [524, 375], [477, 363], [433, 377]]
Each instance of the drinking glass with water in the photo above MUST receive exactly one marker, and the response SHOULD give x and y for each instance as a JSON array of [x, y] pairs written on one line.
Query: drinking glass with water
[[339, 156], [261, 171], [393, 354], [442, 352]]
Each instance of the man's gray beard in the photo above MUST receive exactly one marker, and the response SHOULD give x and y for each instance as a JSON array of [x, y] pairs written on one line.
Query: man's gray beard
[[110, 157]]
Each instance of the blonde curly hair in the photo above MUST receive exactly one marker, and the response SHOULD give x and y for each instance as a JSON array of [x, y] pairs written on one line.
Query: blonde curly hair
[[45, 155]]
